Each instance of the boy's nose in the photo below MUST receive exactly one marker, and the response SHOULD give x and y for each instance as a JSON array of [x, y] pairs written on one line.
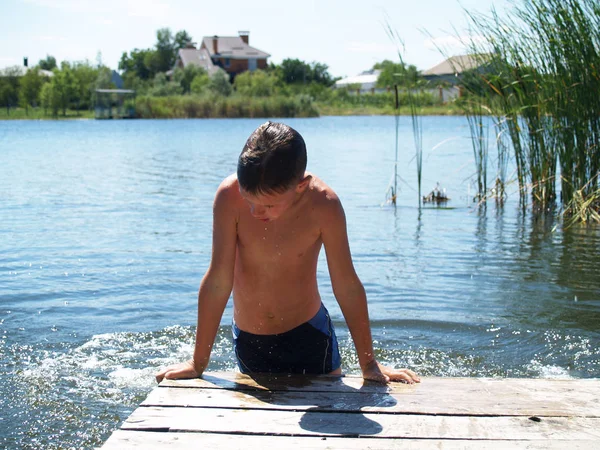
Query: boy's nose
[[257, 210]]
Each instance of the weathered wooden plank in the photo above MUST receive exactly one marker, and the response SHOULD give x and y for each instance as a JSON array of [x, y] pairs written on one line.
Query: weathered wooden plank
[[483, 403], [148, 440], [311, 423], [238, 381], [488, 396]]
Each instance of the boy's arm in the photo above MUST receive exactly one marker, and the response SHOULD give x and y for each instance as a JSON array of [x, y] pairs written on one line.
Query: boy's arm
[[215, 287], [351, 296]]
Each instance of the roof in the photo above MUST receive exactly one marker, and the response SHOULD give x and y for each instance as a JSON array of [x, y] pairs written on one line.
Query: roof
[[22, 70], [232, 47], [368, 76], [115, 91], [200, 58], [457, 64]]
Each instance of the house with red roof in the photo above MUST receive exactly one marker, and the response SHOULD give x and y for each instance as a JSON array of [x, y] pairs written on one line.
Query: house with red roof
[[233, 54]]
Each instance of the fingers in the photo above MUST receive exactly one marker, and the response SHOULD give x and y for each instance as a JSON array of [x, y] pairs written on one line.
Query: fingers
[[161, 375], [377, 376], [405, 376], [169, 373]]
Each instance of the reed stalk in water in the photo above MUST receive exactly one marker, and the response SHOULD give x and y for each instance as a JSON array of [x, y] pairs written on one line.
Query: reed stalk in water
[[542, 82], [412, 96]]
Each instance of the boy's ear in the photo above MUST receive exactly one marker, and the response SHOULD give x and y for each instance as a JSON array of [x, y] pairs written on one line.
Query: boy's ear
[[303, 184]]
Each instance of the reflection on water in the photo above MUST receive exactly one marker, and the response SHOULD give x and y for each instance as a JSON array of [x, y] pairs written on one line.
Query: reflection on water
[[105, 233]]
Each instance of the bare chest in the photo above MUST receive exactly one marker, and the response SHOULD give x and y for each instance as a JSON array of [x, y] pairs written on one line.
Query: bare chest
[[287, 241]]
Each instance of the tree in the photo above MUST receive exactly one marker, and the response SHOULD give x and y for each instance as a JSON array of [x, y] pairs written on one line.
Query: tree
[[219, 84], [47, 64], [49, 98], [395, 73], [182, 40], [256, 84], [163, 87], [30, 87], [186, 75], [9, 87], [85, 76], [165, 54], [200, 83], [65, 87], [135, 63], [293, 71], [320, 74]]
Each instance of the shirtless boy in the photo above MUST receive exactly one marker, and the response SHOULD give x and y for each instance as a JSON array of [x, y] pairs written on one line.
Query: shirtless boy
[[269, 224]]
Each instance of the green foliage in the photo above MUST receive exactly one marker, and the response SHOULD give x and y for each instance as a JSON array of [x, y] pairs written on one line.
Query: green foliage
[[296, 71], [163, 87], [9, 88], [182, 39], [85, 76], [49, 63], [256, 84], [165, 53], [396, 74], [200, 83], [134, 64], [211, 106], [65, 87], [543, 71], [186, 76], [49, 99], [219, 84], [145, 64], [30, 87]]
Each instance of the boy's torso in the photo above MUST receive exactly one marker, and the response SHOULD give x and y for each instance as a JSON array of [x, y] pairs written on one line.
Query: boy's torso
[[275, 286]]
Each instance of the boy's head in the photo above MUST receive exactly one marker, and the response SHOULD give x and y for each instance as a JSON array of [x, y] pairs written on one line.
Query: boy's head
[[272, 161]]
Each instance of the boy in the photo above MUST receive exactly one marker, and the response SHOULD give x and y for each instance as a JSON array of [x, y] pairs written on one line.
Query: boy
[[269, 224]]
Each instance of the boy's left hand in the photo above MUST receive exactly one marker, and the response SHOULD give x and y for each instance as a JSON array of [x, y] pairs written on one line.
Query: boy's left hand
[[383, 374]]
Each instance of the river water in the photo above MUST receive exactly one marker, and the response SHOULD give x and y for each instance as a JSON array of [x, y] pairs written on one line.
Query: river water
[[105, 233]]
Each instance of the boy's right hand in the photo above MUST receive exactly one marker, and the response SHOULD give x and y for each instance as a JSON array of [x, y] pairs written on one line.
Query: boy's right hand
[[178, 371]]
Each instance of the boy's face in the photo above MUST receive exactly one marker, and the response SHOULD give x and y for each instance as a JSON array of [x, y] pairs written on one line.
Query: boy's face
[[268, 207]]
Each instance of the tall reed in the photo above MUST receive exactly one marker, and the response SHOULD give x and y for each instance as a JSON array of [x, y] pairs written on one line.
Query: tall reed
[[542, 82], [413, 93], [503, 153]]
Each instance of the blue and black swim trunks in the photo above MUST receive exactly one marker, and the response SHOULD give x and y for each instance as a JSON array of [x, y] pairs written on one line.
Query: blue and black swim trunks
[[310, 348]]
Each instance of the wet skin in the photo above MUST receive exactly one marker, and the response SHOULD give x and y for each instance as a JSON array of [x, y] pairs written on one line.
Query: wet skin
[[265, 248]]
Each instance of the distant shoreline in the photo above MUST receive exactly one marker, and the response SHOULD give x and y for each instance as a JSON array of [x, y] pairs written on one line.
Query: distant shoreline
[[324, 110]]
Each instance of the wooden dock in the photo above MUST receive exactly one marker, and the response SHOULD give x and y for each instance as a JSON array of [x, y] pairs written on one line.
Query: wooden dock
[[231, 410]]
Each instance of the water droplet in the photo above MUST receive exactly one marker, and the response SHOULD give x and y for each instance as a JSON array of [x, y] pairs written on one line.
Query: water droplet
[[264, 237], [265, 228]]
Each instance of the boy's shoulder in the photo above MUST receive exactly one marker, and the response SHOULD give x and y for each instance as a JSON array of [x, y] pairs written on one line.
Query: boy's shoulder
[[322, 196], [229, 186], [228, 193]]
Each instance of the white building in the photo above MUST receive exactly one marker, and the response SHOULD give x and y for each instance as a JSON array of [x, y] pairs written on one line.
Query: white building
[[364, 82]]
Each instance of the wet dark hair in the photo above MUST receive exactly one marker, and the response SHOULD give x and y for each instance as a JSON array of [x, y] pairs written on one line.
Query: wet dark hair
[[273, 159]]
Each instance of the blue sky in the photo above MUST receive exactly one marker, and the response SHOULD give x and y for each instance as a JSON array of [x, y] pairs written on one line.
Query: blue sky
[[349, 36]]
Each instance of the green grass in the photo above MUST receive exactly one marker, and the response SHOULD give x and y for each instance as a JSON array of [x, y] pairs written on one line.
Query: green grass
[[322, 108], [38, 114], [349, 110]]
